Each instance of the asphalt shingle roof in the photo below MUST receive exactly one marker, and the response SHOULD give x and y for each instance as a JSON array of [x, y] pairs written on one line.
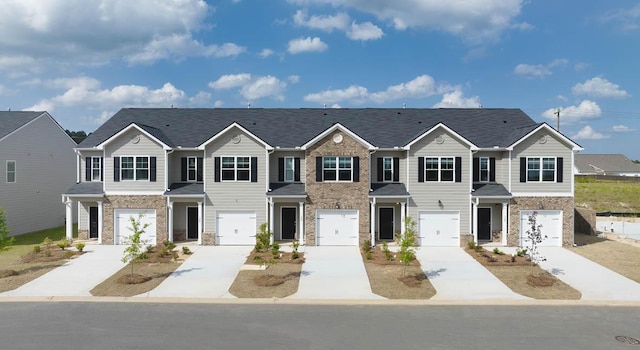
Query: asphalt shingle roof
[[287, 189], [390, 189], [184, 188], [289, 127], [86, 188], [10, 121], [490, 190], [597, 163]]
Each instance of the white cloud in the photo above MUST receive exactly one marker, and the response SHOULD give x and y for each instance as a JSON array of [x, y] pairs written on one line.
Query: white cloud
[[626, 19], [365, 31], [599, 87], [562, 98], [340, 21], [181, 46], [580, 66], [621, 128], [456, 99], [472, 20], [218, 103], [4, 90], [335, 105], [294, 79], [354, 93], [252, 87], [539, 70], [587, 133], [523, 26], [230, 81], [266, 53], [307, 44], [572, 114]]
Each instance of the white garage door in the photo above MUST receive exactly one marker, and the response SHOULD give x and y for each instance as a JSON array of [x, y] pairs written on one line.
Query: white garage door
[[124, 229], [551, 221], [337, 227], [439, 228], [235, 227]]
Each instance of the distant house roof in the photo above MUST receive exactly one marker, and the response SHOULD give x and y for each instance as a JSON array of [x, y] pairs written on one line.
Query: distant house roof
[[11, 121], [605, 164], [290, 127]]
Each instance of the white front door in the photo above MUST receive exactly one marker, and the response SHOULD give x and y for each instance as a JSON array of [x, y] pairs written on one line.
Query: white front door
[[124, 229], [551, 227], [439, 228], [337, 227], [235, 227]]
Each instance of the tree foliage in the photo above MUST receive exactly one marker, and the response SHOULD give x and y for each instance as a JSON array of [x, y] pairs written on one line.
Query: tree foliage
[[135, 244], [5, 241], [77, 136], [534, 238], [407, 243]]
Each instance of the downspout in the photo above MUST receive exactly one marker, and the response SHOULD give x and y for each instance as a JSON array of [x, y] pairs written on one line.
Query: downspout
[[78, 165], [372, 207], [269, 201], [471, 226]]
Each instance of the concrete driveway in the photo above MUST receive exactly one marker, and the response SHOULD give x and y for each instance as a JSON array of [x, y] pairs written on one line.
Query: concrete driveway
[[457, 276], [78, 276], [334, 273]]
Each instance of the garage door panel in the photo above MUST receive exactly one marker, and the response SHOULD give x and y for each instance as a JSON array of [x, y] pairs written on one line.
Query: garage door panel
[[551, 226], [439, 228], [236, 227], [337, 227], [124, 229]]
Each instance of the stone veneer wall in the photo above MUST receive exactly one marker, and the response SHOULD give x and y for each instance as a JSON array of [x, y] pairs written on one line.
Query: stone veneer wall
[[532, 203], [179, 235], [325, 195], [208, 238], [159, 203], [83, 234], [586, 221], [465, 239]]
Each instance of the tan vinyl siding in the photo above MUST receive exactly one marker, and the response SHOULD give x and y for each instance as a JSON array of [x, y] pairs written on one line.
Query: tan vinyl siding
[[453, 195], [45, 169], [381, 154], [122, 146], [273, 164], [229, 195], [175, 164], [531, 147], [83, 163]]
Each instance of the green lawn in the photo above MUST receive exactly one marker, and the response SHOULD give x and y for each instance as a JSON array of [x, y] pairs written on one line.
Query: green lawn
[[23, 244], [608, 195]]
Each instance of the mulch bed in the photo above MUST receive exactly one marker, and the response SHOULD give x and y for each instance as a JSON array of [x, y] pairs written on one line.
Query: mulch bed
[[54, 254], [280, 279], [255, 258], [8, 273]]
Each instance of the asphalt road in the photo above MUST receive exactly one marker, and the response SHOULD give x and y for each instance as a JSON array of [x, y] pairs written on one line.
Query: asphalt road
[[113, 326]]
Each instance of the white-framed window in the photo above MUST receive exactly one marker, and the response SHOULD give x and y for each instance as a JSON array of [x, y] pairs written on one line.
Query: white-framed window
[[11, 171], [337, 169], [134, 168], [192, 169], [235, 168], [541, 169], [439, 169], [484, 169], [289, 169], [387, 169], [96, 169]]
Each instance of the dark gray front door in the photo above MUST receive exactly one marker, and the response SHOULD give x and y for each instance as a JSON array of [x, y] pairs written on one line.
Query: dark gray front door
[[93, 222], [288, 223], [484, 224], [385, 223], [192, 223]]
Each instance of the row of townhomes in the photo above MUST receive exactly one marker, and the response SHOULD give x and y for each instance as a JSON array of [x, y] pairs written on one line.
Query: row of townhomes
[[324, 176]]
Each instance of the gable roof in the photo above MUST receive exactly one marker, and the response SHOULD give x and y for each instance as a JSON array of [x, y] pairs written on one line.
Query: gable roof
[[11, 121], [443, 126], [547, 127], [151, 132], [291, 127], [338, 126], [603, 163]]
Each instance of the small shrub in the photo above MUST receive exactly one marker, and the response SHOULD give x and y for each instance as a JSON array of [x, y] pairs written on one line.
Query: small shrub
[[387, 253], [47, 253], [471, 245], [62, 245], [367, 255], [149, 249], [143, 256], [497, 251], [168, 245], [366, 246], [174, 255], [36, 249], [47, 243], [80, 246], [294, 254], [68, 254], [275, 250], [263, 239], [521, 252], [186, 250], [68, 241]]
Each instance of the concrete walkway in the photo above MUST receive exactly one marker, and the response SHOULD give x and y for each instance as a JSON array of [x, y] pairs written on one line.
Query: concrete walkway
[[78, 276], [208, 273], [334, 273], [457, 276]]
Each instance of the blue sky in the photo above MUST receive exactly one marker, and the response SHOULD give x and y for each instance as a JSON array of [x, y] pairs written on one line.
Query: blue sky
[[83, 60]]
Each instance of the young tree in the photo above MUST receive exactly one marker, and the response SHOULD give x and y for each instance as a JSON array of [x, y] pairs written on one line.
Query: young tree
[[134, 250], [534, 238], [5, 242], [264, 246], [407, 243]]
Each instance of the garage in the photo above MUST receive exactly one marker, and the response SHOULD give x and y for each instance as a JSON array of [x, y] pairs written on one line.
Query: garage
[[439, 228], [551, 221], [235, 227], [124, 229], [337, 227]]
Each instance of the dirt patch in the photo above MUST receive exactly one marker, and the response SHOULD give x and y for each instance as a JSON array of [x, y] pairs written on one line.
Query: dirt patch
[[286, 258], [133, 279], [266, 284], [617, 256], [8, 273]]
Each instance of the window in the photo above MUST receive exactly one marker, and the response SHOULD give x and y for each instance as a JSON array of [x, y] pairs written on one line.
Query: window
[[484, 169], [235, 168], [289, 169], [11, 171], [192, 169], [541, 169], [96, 169], [337, 168], [439, 169], [134, 168], [387, 169]]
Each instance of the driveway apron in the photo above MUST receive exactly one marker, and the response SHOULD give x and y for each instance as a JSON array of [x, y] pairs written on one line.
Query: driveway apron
[[208, 273], [334, 273], [78, 276], [594, 281], [457, 276]]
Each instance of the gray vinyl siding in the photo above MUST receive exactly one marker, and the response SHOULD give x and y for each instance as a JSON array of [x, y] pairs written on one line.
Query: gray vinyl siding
[[531, 147], [175, 164], [45, 168], [229, 195], [83, 164], [502, 165], [83, 214], [180, 215], [453, 195], [122, 146], [273, 164], [381, 154]]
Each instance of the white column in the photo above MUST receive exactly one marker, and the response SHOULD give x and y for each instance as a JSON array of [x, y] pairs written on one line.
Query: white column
[[100, 223], [475, 221], [403, 218], [373, 221], [200, 222], [300, 226], [505, 223], [271, 215], [170, 220], [69, 218]]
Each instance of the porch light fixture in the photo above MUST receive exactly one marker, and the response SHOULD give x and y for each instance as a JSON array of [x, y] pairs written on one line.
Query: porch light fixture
[[337, 205]]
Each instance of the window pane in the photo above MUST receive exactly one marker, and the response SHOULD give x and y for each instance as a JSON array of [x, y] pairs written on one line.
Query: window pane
[[127, 174], [533, 169], [142, 162], [446, 163], [431, 163], [387, 168], [142, 174], [228, 175], [288, 169], [191, 175], [243, 162], [329, 162], [484, 169], [243, 175], [533, 175], [126, 162], [191, 162], [344, 175], [11, 166], [228, 162], [345, 162], [329, 175], [548, 163]]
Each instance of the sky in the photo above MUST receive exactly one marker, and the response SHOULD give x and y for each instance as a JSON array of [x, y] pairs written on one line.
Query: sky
[[83, 60]]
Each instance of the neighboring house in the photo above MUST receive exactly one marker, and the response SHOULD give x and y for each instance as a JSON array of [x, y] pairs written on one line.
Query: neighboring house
[[605, 164], [325, 176], [37, 165]]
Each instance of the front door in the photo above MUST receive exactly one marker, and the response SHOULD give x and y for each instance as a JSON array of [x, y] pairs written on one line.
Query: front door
[[288, 223], [192, 222], [484, 224], [385, 223], [93, 222]]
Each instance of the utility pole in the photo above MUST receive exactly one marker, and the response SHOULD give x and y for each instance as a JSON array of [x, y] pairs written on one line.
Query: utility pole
[[557, 113]]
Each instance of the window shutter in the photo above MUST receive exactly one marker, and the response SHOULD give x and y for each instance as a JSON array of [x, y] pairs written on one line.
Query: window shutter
[[523, 169], [296, 169], [87, 169], [216, 162], [101, 168], [318, 169], [396, 169], [280, 169], [116, 169], [152, 169], [492, 169], [183, 169], [559, 163], [199, 171], [356, 169], [254, 169], [420, 169], [380, 169], [476, 169], [458, 169]]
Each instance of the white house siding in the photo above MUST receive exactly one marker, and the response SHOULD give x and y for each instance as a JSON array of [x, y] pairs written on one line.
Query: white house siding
[[230, 195], [175, 163], [453, 195], [122, 146], [273, 164], [45, 168], [381, 154], [83, 164]]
